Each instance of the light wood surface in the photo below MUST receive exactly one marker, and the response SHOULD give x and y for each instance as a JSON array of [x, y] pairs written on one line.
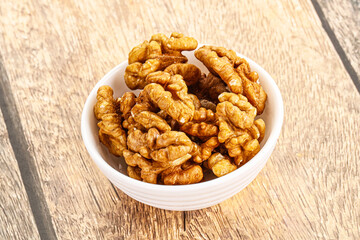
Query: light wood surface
[[344, 20], [16, 219], [55, 52]]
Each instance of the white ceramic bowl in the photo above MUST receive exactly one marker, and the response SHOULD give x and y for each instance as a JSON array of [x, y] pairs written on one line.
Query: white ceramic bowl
[[186, 197]]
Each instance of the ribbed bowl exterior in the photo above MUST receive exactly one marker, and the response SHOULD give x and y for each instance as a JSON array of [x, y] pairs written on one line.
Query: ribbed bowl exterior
[[187, 197]]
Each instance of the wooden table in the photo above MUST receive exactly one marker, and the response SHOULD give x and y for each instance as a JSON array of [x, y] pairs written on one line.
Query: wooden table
[[53, 53]]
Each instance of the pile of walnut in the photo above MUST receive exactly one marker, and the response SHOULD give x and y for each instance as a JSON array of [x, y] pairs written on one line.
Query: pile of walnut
[[183, 122]]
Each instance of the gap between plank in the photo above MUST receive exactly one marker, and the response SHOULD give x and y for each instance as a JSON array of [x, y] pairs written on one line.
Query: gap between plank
[[184, 216], [24, 159], [340, 51]]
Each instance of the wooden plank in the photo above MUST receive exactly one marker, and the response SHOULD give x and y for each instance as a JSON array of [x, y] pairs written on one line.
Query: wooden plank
[[52, 64], [25, 161], [16, 218], [344, 20], [309, 188], [55, 53]]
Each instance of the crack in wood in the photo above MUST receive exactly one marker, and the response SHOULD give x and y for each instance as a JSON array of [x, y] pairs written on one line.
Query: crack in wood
[[184, 217], [25, 160], [340, 51], [116, 193], [93, 195]]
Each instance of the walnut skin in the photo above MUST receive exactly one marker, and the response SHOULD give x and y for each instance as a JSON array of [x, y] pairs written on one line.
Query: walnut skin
[[149, 170], [176, 42], [143, 113], [237, 128], [134, 172], [136, 72], [235, 72], [202, 125], [126, 102], [165, 148], [169, 93], [202, 152], [170, 146], [209, 88], [153, 152], [208, 105], [220, 66], [190, 73], [236, 109], [105, 102], [183, 120], [252, 89], [220, 164], [179, 175], [111, 133], [156, 55]]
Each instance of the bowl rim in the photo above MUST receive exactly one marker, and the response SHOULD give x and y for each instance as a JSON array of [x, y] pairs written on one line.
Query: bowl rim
[[264, 151]]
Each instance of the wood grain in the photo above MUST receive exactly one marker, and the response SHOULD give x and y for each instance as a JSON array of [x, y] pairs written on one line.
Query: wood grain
[[16, 218], [55, 52], [60, 65], [344, 20]]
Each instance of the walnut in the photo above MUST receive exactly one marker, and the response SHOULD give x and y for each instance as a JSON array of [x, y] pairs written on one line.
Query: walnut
[[260, 125], [175, 126], [142, 113], [201, 129], [252, 89], [149, 171], [169, 59], [208, 105], [204, 114], [166, 147], [154, 152], [111, 133], [105, 102], [126, 102], [181, 175], [235, 72], [237, 128], [155, 55], [202, 152], [169, 93], [151, 120], [190, 73], [196, 101], [137, 142], [220, 164], [182, 121], [176, 42], [209, 87], [134, 172], [130, 124], [139, 53], [136, 72], [202, 125], [220, 66], [174, 84], [242, 148], [237, 110], [170, 146]]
